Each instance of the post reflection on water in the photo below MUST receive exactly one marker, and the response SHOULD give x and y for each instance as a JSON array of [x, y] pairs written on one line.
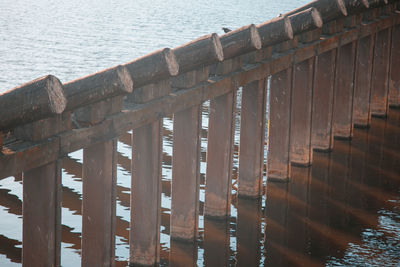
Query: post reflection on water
[[345, 209], [342, 211]]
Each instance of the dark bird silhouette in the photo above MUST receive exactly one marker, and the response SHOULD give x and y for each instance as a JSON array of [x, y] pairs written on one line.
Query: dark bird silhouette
[[226, 30]]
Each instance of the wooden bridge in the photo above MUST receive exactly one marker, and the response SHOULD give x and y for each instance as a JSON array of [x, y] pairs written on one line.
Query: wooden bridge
[[325, 68]]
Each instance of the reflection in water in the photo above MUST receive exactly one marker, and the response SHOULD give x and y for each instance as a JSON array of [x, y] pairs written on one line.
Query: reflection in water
[[344, 210]]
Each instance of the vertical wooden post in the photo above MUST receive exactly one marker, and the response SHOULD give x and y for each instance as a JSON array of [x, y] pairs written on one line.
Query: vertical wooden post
[[362, 86], [221, 131], [144, 237], [98, 204], [279, 126], [186, 174], [379, 88], [300, 127], [323, 92], [344, 89], [41, 209], [252, 139], [186, 162], [394, 83]]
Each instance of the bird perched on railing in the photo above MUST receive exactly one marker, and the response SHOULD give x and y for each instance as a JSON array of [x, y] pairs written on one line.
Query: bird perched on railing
[[226, 30]]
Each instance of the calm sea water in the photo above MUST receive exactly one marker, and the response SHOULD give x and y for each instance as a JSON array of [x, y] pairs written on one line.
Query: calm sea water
[[345, 210], [72, 38]]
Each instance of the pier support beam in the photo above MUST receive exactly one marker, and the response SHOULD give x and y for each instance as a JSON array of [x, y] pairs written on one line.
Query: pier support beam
[[300, 127], [362, 86], [41, 210], [279, 126], [344, 89], [394, 83], [186, 174], [144, 237], [252, 139], [221, 132], [380, 83], [98, 204], [323, 92]]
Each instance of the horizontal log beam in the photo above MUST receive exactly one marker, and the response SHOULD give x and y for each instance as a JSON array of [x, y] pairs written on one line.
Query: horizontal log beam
[[154, 67], [240, 41], [98, 86], [203, 51], [329, 9], [32, 101], [275, 31], [356, 6], [305, 20]]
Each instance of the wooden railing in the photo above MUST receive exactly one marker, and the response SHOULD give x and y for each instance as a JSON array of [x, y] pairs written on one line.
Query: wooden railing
[[328, 66]]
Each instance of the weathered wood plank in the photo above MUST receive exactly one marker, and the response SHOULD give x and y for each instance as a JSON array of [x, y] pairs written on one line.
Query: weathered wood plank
[[44, 128], [394, 83], [41, 226], [344, 89], [185, 174], [98, 204], [35, 100], [300, 119], [252, 139], [380, 73], [362, 83], [279, 125], [144, 236], [221, 129], [324, 78], [22, 156]]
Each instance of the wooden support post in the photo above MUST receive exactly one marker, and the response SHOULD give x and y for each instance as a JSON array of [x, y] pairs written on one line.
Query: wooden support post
[[324, 80], [394, 82], [186, 161], [186, 174], [279, 126], [300, 127], [380, 77], [362, 85], [344, 89], [252, 139], [144, 237], [41, 209], [221, 131], [98, 204]]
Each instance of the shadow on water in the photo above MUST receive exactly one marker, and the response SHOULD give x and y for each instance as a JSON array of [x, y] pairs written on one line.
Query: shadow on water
[[344, 210]]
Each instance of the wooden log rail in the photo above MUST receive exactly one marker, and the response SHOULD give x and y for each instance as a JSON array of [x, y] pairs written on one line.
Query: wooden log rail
[[328, 66]]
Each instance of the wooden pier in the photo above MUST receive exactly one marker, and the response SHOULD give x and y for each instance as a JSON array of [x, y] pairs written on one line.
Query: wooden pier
[[327, 67]]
